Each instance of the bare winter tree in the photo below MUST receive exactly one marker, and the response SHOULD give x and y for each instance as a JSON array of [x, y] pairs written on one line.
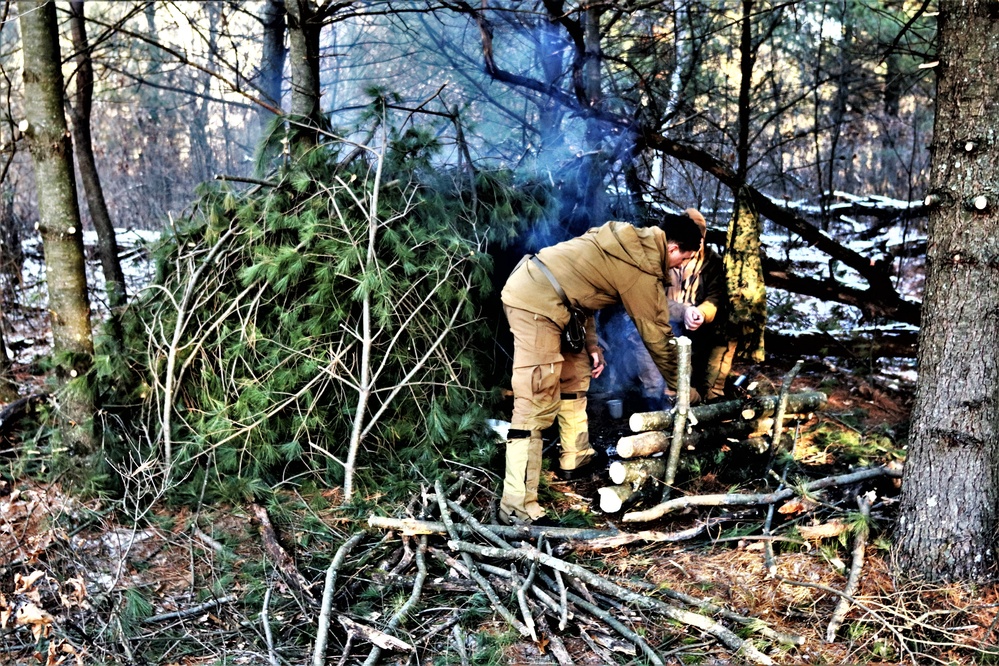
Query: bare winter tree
[[950, 498], [58, 215], [80, 111]]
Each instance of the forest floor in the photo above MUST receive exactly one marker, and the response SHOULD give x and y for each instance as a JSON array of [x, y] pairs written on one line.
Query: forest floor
[[82, 583]]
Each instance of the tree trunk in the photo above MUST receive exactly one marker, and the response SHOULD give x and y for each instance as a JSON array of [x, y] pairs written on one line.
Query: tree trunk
[[107, 243], [59, 216], [747, 314], [304, 27], [950, 494], [272, 57]]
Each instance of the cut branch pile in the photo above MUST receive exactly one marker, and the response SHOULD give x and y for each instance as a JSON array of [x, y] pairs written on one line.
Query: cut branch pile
[[529, 580], [755, 424]]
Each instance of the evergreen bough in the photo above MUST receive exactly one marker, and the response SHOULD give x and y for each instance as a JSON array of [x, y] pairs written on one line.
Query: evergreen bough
[[340, 303]]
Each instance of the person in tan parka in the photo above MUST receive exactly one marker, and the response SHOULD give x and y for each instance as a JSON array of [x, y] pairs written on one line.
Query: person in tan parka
[[613, 263]]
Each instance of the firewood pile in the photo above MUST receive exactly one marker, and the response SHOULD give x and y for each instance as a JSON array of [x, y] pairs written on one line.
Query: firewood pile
[[528, 575], [644, 473]]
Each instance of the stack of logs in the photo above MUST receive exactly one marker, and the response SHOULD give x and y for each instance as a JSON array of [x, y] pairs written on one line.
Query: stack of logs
[[751, 423]]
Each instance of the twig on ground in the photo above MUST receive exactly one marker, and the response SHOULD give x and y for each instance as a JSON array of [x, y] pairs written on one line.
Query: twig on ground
[[459, 644], [856, 565], [268, 637]]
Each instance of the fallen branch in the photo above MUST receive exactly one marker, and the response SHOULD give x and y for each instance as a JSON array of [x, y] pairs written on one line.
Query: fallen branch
[[741, 499], [192, 611], [319, 653], [376, 637], [12, 413], [404, 610], [282, 560], [856, 565], [782, 398], [413, 526], [487, 589]]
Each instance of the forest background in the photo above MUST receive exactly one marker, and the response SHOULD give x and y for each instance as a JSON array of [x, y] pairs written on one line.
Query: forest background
[[333, 192]]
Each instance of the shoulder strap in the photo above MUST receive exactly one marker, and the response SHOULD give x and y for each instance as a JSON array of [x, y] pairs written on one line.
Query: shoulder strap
[[551, 278]]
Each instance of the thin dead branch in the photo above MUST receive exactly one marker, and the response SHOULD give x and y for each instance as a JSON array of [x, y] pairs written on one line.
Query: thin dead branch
[[743, 499]]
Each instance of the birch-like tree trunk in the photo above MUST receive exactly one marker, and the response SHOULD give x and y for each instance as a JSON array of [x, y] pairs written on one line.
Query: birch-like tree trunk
[[949, 512], [58, 216]]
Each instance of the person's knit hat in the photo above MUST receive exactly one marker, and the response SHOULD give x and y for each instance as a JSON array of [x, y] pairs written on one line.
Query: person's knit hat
[[698, 219]]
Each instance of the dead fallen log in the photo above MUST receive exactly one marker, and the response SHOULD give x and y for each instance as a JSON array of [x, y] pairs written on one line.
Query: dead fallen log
[[761, 407], [12, 413], [744, 499], [865, 344], [282, 560]]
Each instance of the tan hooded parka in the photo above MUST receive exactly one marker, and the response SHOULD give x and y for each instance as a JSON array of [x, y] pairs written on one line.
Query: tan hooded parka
[[613, 263]]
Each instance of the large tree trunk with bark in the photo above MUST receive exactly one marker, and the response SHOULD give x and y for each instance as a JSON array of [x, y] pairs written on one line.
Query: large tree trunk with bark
[[950, 498], [747, 313], [107, 243], [59, 216]]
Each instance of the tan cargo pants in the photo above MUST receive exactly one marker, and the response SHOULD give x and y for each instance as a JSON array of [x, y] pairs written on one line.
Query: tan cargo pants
[[541, 376]]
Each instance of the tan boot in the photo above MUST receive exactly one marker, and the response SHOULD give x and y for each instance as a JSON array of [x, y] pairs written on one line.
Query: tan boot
[[520, 481], [574, 433]]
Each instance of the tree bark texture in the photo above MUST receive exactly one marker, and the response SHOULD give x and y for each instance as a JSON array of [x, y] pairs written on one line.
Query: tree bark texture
[[304, 26], [746, 289], [272, 55], [950, 496], [107, 243], [59, 215]]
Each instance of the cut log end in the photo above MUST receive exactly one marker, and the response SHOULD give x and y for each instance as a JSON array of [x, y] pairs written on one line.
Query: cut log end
[[612, 498]]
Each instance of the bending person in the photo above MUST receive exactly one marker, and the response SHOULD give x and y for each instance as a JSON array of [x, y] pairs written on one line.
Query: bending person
[[613, 263]]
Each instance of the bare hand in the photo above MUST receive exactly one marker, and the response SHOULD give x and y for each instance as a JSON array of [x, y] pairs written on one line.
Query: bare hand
[[693, 318], [598, 365]]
